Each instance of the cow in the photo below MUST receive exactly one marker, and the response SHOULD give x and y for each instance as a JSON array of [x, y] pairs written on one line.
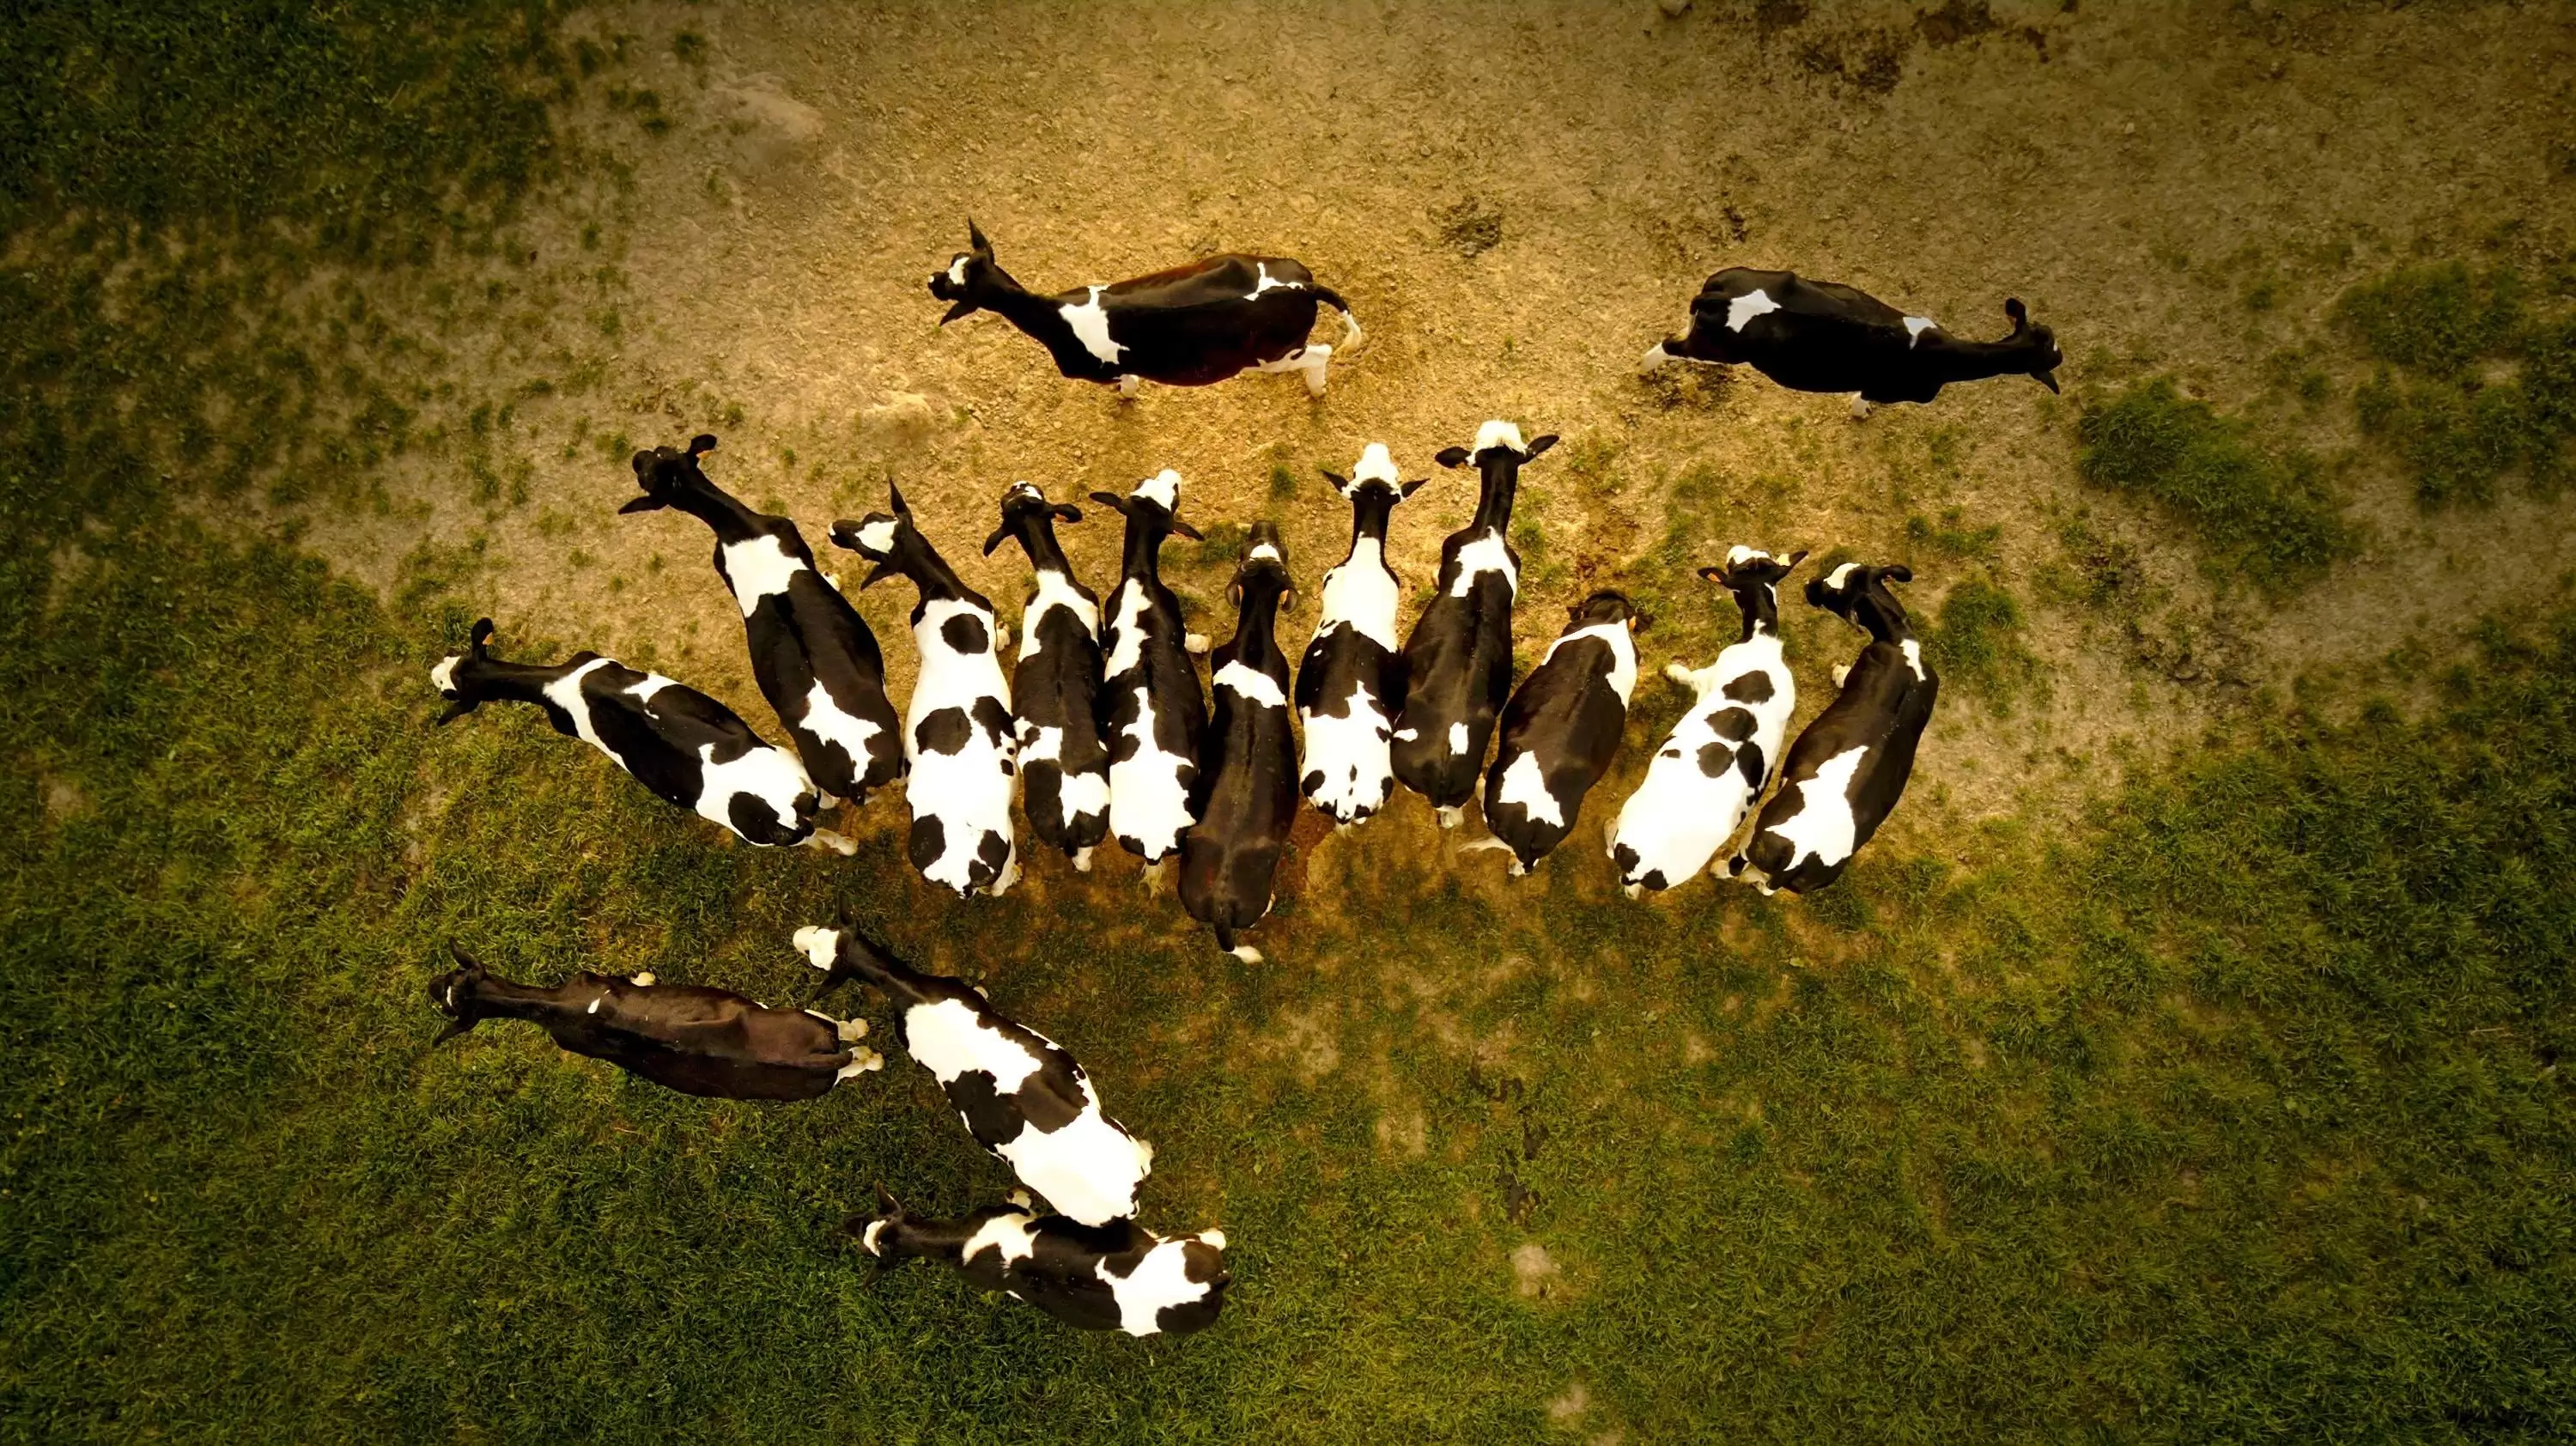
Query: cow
[[1458, 660], [1846, 772], [813, 656], [1562, 728], [1822, 336], [1247, 785], [1022, 1098], [957, 731], [1055, 690], [687, 1037], [1351, 681], [1152, 714], [1118, 1276], [686, 747], [1718, 759], [1186, 327]]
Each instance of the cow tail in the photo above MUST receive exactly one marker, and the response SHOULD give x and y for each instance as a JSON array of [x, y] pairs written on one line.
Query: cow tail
[[1350, 323]]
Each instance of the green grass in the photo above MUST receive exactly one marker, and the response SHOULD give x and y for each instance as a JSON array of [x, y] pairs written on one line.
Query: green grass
[[2473, 387], [2262, 513], [1975, 644]]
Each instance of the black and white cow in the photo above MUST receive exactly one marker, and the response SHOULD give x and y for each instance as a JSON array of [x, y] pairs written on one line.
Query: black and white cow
[[1846, 772], [957, 731], [1562, 728], [1822, 336], [699, 1041], [1247, 785], [1458, 662], [1721, 755], [1021, 1097], [685, 746], [1185, 327], [1152, 714], [1114, 1277], [812, 654], [1055, 691], [1351, 681]]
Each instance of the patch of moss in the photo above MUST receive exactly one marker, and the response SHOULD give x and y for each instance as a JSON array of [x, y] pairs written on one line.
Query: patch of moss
[[2262, 512]]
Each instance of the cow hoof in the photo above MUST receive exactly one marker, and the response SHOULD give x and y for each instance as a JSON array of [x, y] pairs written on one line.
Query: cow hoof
[[1841, 671], [1195, 644], [1859, 408], [1634, 891], [1246, 953], [1655, 357], [851, 1031], [824, 838], [644, 980], [1453, 816], [1127, 389], [1082, 860]]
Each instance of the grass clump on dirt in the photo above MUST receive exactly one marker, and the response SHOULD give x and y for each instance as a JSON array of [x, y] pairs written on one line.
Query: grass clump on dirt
[[2472, 386], [1975, 644], [2261, 513]]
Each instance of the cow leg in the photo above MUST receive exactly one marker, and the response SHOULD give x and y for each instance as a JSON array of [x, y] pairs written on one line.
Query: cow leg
[[1860, 408], [1158, 875], [1082, 859], [1452, 815], [1317, 356], [1127, 386]]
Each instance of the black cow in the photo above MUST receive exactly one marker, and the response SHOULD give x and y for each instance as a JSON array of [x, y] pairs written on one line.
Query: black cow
[[957, 731], [1351, 681], [1185, 327], [1021, 1097], [685, 746], [814, 658], [1458, 662], [1822, 336], [1846, 772], [1114, 1277], [1247, 784], [687, 1037], [1152, 714], [1563, 728], [1055, 691]]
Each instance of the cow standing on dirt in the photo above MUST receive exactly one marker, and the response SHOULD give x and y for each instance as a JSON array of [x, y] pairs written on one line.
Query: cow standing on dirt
[[1119, 1276], [686, 747], [1846, 772], [957, 731], [1185, 327], [686, 1037], [1021, 1097], [1822, 336], [1055, 691], [1458, 662], [1152, 714], [1247, 789], [1721, 755], [1351, 681], [813, 656], [1562, 729]]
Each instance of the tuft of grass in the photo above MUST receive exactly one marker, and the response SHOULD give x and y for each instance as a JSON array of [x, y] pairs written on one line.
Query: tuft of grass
[[2261, 513], [2438, 320], [1976, 644], [2472, 388]]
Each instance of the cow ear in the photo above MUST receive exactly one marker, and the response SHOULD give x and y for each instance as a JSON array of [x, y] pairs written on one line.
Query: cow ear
[[1110, 500], [702, 443], [481, 635], [1340, 482], [1713, 574], [1185, 530], [995, 540], [876, 574], [1897, 572], [1068, 512], [1538, 445], [962, 308], [1794, 559], [2047, 378], [1451, 457], [896, 494], [456, 708], [645, 503], [1409, 488], [975, 241], [1234, 594]]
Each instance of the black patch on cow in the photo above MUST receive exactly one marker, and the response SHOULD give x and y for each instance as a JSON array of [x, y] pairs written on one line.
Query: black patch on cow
[[965, 633], [755, 820], [1655, 880], [1715, 758], [991, 855], [1732, 724], [1750, 688], [1311, 782], [929, 840], [1626, 857], [1750, 760], [995, 718], [992, 1117], [943, 732]]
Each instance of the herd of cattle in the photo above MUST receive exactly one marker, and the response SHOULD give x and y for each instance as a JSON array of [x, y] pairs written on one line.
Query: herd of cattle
[[1102, 728]]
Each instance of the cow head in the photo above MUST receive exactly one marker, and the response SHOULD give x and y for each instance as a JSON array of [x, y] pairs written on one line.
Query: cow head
[[887, 539], [1155, 502], [972, 280], [1494, 441], [455, 676], [1859, 595], [1263, 564], [1751, 567], [1609, 605], [2038, 343], [665, 473], [888, 1235], [1376, 470], [1025, 509], [458, 994]]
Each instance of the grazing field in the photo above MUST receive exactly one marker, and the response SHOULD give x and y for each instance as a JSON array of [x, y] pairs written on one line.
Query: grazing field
[[2182, 1062]]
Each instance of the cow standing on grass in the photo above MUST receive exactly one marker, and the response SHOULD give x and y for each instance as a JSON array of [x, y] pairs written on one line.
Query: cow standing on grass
[[1562, 729], [1185, 327], [1119, 1276], [1846, 772], [813, 656], [1247, 788], [1055, 692], [1721, 755], [1822, 336], [686, 747], [1152, 714], [1021, 1097], [1458, 663], [686, 1037], [1351, 681], [958, 731]]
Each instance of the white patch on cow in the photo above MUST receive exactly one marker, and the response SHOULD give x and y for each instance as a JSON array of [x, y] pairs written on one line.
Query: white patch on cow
[[957, 271], [1081, 793], [772, 775], [1090, 325], [825, 720], [1263, 549], [1054, 590], [1915, 326], [1623, 654], [1408, 734], [1008, 1234], [1679, 817], [868, 1237], [1267, 282], [1251, 684], [1739, 554], [949, 1038], [1913, 657], [1161, 1280], [878, 537], [443, 676], [1352, 755], [757, 569], [1486, 554], [1840, 576], [1147, 800], [1748, 306], [1497, 433], [1375, 465], [1312, 361], [968, 791], [1824, 827], [1458, 738], [1163, 488], [1525, 785], [594, 1004], [1361, 594], [1127, 648]]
